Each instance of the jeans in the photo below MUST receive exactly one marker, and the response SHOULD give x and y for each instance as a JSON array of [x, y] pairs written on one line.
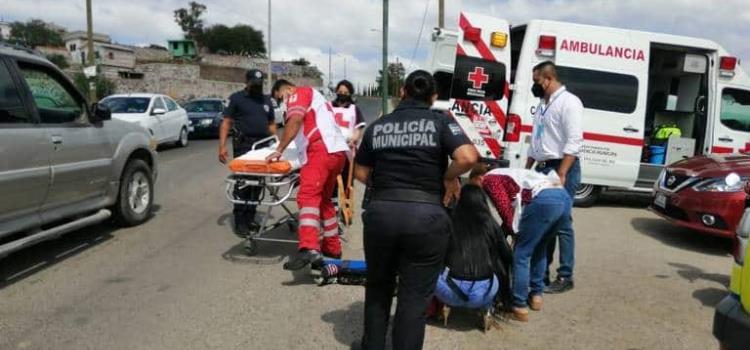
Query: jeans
[[540, 220], [565, 234], [409, 240], [481, 293]]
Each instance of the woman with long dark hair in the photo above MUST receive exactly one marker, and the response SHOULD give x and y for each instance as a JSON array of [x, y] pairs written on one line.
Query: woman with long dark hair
[[478, 258]]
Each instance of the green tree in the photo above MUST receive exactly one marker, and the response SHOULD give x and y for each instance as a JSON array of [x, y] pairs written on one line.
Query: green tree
[[104, 86], [301, 62], [34, 33], [396, 75], [190, 21], [240, 39], [58, 60]]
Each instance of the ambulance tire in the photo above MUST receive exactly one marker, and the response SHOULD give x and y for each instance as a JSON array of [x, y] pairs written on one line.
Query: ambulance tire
[[587, 195]]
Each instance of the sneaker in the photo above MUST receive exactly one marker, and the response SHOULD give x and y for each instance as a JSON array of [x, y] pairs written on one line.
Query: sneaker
[[560, 285], [519, 314], [303, 258]]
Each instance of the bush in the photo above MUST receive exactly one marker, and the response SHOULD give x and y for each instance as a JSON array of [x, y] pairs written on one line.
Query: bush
[[104, 86], [58, 60]]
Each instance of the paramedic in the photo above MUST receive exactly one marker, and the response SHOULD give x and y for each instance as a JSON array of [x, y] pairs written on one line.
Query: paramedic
[[351, 122], [251, 117], [555, 143], [310, 124], [404, 159]]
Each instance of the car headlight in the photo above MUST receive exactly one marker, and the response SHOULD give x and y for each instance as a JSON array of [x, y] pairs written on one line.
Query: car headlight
[[729, 183], [207, 121]]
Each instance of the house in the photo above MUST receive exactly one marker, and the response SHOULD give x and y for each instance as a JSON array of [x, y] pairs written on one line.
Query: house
[[182, 48], [105, 53], [4, 30]]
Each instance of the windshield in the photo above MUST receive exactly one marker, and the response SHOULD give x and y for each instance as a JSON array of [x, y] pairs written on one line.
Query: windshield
[[204, 107], [127, 104]]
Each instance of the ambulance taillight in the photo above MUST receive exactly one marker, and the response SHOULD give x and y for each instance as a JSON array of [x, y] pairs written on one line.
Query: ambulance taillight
[[513, 128], [547, 45], [727, 65]]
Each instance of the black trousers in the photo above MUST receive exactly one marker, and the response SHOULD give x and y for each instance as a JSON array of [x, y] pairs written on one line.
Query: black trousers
[[408, 240], [241, 211]]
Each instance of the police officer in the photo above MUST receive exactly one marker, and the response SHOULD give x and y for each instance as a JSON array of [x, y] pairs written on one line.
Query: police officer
[[250, 116], [404, 160]]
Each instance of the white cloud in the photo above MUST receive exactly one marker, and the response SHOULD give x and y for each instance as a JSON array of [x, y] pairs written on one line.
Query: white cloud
[[308, 28]]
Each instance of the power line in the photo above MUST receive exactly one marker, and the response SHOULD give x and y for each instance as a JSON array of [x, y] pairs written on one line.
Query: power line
[[419, 36]]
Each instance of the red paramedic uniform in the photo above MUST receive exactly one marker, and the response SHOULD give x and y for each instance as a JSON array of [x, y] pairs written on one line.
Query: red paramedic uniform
[[323, 156]]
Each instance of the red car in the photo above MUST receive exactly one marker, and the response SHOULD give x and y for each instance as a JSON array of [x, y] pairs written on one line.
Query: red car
[[704, 193]]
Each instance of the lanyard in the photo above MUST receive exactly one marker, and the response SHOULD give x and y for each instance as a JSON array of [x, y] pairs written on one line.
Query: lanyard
[[544, 110]]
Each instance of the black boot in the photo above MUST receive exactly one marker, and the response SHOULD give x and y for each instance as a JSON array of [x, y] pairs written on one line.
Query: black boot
[[303, 258]]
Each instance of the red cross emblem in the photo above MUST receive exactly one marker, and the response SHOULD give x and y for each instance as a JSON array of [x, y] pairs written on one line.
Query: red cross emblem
[[478, 78]]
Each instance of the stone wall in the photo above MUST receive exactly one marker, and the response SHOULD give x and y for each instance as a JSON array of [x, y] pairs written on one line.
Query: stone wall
[[235, 61], [145, 55]]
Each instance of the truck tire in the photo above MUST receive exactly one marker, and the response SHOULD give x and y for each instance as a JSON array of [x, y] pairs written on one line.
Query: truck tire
[[587, 195], [136, 194]]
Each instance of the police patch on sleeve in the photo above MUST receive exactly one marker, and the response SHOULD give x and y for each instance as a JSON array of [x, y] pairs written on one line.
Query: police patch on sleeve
[[455, 129], [268, 109]]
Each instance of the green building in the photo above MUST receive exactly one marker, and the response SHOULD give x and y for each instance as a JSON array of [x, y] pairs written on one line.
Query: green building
[[182, 48]]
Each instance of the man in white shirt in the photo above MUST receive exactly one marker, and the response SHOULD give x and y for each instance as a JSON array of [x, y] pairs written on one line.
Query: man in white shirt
[[555, 143]]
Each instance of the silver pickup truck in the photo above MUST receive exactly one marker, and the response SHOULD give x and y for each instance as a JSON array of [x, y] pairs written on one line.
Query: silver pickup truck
[[64, 164]]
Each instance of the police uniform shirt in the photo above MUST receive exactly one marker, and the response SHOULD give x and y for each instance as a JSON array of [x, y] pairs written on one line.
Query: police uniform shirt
[[409, 148], [251, 114]]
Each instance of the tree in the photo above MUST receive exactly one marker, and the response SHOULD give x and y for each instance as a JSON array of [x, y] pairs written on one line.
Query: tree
[[59, 60], [104, 86], [34, 33], [240, 39], [396, 75], [301, 62], [189, 19]]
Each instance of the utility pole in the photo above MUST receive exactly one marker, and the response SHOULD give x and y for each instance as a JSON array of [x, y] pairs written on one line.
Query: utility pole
[[90, 47], [384, 81], [441, 14], [270, 63], [330, 71]]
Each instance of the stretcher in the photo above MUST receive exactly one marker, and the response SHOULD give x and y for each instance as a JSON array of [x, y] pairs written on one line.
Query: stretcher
[[275, 183]]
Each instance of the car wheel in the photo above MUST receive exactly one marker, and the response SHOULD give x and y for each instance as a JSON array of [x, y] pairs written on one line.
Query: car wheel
[[136, 196], [587, 195], [183, 140]]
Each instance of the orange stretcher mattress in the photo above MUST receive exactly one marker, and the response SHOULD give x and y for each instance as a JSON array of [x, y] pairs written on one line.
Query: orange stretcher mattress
[[260, 166]]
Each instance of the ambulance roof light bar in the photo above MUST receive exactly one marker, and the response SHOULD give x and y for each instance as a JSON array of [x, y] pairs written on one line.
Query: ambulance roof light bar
[[547, 45], [727, 64]]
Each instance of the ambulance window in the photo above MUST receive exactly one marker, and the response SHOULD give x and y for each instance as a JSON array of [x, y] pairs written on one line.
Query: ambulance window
[[735, 109], [443, 81], [476, 79], [612, 92]]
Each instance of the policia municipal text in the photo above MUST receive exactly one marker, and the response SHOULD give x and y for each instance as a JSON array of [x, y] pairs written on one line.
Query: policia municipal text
[[403, 159]]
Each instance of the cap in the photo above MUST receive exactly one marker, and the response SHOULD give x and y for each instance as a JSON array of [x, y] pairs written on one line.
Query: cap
[[254, 75]]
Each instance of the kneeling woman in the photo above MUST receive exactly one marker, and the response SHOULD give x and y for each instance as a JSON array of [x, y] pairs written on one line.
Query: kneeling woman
[[477, 255]]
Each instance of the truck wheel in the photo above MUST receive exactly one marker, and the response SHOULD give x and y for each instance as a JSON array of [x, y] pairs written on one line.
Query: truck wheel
[[183, 140], [136, 197], [587, 195]]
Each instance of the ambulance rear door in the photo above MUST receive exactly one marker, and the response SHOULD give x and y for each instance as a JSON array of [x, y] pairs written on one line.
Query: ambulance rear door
[[480, 87], [731, 121]]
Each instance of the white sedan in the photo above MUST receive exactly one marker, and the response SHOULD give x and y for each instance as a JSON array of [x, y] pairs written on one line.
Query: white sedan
[[159, 114]]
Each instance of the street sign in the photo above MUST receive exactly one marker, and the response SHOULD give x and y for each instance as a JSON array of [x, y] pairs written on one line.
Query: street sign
[[89, 72]]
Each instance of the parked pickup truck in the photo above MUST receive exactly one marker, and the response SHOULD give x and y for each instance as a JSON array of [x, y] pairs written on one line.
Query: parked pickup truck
[[64, 164]]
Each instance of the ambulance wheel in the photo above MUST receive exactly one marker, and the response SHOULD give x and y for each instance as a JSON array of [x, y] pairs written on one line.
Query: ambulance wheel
[[587, 195], [250, 246]]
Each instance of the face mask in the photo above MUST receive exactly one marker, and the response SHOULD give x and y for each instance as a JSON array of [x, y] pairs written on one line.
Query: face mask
[[255, 89], [342, 98], [537, 90]]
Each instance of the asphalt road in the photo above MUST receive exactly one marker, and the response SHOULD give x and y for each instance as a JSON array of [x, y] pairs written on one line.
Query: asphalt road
[[181, 281]]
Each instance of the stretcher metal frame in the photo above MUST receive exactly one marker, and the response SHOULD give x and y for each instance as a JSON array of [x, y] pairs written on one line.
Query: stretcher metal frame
[[275, 190]]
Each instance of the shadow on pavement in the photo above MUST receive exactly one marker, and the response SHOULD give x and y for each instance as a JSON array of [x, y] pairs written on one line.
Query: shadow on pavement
[[710, 296], [680, 237], [707, 296], [266, 253], [624, 199], [347, 323], [25, 263]]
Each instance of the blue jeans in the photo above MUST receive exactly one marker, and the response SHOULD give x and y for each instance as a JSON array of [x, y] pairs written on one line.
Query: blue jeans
[[540, 220], [565, 234], [481, 293]]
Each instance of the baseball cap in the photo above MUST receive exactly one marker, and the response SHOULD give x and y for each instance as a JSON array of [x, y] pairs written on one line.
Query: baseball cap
[[254, 75]]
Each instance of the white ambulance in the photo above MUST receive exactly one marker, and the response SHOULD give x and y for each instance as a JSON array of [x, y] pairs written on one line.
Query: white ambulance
[[631, 83]]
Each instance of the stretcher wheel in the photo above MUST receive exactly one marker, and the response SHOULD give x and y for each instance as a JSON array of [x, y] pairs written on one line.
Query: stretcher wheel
[[250, 246], [292, 226]]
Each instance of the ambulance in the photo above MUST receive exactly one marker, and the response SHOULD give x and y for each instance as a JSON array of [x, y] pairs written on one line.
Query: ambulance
[[633, 85]]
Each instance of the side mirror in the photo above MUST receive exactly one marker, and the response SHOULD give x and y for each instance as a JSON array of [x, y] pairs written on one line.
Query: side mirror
[[158, 111], [100, 112]]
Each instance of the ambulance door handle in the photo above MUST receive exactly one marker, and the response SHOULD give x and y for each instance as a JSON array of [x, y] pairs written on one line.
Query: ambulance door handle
[[726, 139], [630, 129]]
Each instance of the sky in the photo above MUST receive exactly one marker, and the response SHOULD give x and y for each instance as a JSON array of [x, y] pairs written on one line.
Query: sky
[[351, 29]]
